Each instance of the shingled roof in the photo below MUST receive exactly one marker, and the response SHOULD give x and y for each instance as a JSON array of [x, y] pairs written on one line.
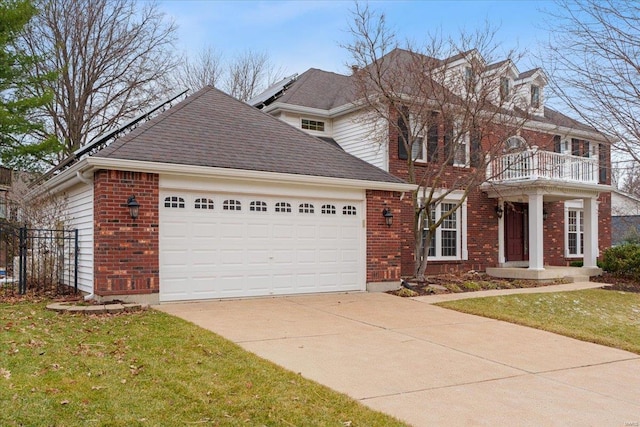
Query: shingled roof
[[210, 128]]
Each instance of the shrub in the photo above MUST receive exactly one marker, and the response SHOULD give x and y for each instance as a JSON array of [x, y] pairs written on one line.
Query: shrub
[[623, 259]]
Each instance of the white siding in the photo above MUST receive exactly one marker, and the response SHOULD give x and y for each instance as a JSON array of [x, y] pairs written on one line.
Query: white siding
[[363, 138], [79, 200]]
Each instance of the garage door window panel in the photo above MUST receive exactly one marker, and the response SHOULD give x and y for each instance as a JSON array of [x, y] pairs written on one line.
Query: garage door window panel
[[203, 203], [174, 202], [258, 206], [283, 207], [328, 210], [306, 208], [349, 210], [232, 205]]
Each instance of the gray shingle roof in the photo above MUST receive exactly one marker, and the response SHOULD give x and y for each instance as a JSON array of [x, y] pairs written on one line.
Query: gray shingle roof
[[210, 128]]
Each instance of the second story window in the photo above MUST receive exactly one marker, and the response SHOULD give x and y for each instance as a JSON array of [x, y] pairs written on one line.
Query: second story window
[[313, 125], [535, 96], [505, 88]]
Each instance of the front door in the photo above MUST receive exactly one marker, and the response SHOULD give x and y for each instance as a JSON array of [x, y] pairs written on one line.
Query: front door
[[516, 232]]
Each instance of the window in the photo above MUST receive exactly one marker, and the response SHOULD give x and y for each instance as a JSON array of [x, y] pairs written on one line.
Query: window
[[445, 243], [328, 210], [174, 202], [580, 147], [313, 125], [406, 136], [258, 206], [469, 78], [505, 88], [349, 210], [575, 232], [231, 205], [306, 208], [456, 146], [283, 207], [535, 96], [203, 204]]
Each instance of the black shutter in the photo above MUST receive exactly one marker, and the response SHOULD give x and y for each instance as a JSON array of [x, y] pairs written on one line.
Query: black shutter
[[448, 142], [476, 148], [403, 133], [575, 147], [602, 164], [557, 144], [432, 139]]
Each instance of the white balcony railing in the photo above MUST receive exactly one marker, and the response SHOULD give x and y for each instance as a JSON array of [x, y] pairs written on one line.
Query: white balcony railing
[[536, 164]]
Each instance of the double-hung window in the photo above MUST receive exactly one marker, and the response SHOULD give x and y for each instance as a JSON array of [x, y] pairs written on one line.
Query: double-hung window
[[448, 242], [575, 232]]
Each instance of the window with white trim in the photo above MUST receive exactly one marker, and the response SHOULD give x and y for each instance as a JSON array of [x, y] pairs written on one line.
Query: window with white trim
[[283, 207], [203, 203], [313, 125], [328, 210], [535, 96], [306, 208], [231, 205], [174, 202], [349, 210], [446, 241], [575, 232]]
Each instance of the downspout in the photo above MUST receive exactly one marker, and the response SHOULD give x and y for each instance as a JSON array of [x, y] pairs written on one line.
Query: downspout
[[88, 181]]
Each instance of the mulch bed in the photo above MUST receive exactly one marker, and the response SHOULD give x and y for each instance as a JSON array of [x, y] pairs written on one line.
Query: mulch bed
[[475, 281]]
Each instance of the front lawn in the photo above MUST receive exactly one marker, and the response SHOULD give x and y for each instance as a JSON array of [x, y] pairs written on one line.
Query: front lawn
[[605, 317], [149, 368]]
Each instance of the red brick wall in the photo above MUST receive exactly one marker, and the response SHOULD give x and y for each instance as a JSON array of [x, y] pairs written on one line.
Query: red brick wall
[[482, 227], [384, 246], [125, 250]]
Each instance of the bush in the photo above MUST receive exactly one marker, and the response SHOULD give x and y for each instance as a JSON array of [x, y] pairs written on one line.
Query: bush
[[623, 259]]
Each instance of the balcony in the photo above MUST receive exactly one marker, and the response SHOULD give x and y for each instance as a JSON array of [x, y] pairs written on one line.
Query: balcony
[[534, 165]]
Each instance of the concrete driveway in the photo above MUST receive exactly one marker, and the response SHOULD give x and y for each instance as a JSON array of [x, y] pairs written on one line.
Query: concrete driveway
[[431, 366]]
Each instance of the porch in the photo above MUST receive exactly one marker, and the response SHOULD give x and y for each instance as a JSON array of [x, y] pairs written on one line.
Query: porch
[[549, 273], [525, 184]]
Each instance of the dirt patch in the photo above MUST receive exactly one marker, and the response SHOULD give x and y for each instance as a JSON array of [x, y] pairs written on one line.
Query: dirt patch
[[466, 282]]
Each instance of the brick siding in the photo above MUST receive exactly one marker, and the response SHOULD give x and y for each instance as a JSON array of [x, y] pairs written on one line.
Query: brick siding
[[384, 246], [125, 250]]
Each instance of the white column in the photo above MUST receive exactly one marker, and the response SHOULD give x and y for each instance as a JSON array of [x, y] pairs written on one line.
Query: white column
[[536, 245], [590, 248], [501, 259]]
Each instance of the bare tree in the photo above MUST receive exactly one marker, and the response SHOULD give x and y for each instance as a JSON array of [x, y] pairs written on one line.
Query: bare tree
[[204, 69], [109, 55], [448, 119], [593, 57], [250, 73]]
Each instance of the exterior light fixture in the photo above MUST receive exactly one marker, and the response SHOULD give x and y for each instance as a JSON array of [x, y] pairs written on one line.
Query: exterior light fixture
[[388, 217], [545, 214], [499, 211], [134, 207]]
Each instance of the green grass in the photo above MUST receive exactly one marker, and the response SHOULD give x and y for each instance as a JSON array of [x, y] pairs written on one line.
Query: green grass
[[604, 317], [150, 369]]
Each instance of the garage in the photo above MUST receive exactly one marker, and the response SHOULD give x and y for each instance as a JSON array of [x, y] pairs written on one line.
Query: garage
[[235, 244]]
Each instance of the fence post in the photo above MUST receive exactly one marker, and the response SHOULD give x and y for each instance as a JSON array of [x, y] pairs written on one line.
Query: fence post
[[22, 265]]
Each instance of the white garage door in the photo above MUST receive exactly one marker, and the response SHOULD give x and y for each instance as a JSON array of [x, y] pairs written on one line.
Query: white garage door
[[238, 245]]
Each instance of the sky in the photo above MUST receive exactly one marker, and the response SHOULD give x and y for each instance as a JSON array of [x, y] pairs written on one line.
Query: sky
[[298, 35]]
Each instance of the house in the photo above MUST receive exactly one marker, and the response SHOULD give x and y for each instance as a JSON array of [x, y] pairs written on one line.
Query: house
[[546, 198], [215, 199], [625, 218]]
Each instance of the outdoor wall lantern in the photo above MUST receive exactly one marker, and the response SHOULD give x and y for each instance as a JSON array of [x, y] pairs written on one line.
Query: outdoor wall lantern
[[545, 214], [134, 207], [388, 217], [499, 211]]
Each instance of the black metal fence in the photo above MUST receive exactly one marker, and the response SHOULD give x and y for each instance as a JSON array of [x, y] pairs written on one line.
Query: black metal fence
[[38, 260]]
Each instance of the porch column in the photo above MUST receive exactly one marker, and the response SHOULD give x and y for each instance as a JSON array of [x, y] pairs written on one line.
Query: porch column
[[590, 248], [536, 248]]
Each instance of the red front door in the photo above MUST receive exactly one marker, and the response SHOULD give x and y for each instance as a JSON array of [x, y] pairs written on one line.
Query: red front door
[[515, 232]]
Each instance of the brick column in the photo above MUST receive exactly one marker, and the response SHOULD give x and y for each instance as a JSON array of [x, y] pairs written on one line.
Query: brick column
[[125, 250], [384, 244]]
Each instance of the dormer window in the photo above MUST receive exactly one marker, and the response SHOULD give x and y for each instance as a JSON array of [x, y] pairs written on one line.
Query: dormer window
[[505, 88], [535, 96], [313, 125]]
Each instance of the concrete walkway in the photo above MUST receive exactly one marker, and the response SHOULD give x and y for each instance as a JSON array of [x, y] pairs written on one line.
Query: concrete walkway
[[430, 366]]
